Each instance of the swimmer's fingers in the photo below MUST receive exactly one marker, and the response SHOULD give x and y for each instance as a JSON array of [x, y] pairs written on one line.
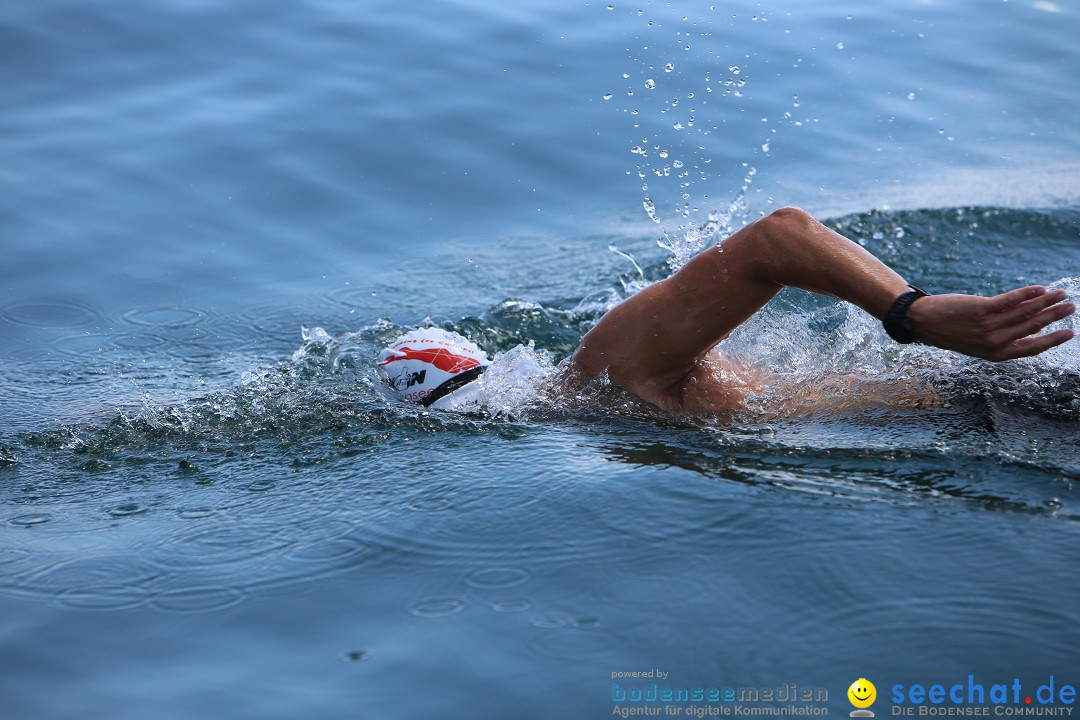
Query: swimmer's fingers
[[1031, 320], [1025, 310], [1028, 346], [1006, 301]]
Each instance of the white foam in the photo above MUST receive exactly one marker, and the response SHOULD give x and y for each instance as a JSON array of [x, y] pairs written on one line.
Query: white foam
[[1066, 356], [515, 380]]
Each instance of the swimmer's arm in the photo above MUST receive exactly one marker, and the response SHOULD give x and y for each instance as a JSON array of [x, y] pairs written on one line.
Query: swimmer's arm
[[801, 252], [652, 342]]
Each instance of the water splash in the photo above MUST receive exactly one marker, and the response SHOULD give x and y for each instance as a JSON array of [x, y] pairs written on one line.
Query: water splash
[[1065, 357], [718, 225], [516, 381], [636, 282]]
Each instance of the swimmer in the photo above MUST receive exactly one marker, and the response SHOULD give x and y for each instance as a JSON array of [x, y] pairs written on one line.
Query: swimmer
[[661, 344]]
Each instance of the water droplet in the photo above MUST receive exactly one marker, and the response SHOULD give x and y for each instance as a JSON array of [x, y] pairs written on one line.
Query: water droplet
[[607, 96], [677, 164], [638, 150], [663, 153], [677, 126], [650, 209], [610, 7], [669, 67], [765, 146], [650, 84], [911, 96], [626, 76], [734, 69], [839, 46], [356, 655]]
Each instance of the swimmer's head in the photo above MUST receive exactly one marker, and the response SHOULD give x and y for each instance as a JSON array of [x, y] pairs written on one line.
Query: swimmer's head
[[425, 365]]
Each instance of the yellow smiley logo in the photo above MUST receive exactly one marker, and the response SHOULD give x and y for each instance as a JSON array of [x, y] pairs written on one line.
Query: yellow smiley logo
[[862, 693]]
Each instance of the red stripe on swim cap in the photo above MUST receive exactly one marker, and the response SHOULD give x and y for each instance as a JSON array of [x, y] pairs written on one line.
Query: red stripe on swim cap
[[441, 358]]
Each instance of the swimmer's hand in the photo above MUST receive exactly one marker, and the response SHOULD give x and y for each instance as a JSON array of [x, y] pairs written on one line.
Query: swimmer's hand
[[997, 328]]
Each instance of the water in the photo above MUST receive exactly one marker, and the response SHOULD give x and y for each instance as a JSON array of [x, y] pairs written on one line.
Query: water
[[214, 216]]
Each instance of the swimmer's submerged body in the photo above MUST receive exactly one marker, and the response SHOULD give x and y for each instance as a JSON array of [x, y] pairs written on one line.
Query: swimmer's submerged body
[[661, 344]]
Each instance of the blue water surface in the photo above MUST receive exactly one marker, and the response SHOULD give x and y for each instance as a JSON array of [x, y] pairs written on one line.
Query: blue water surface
[[208, 508]]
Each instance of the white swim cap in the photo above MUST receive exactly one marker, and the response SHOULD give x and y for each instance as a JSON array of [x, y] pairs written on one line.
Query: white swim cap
[[425, 365]]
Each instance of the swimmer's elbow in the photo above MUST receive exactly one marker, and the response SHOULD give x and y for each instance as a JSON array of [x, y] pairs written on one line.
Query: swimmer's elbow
[[780, 223]]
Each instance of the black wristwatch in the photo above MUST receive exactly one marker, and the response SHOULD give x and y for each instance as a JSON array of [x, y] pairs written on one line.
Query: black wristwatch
[[895, 321]]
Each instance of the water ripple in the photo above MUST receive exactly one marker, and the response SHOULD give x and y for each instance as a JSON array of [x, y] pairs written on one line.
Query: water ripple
[[106, 581], [574, 642], [165, 316], [438, 607], [31, 519], [198, 599], [103, 597], [48, 313], [496, 577]]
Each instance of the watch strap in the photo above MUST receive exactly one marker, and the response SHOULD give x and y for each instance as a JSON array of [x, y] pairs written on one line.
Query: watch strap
[[895, 320]]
